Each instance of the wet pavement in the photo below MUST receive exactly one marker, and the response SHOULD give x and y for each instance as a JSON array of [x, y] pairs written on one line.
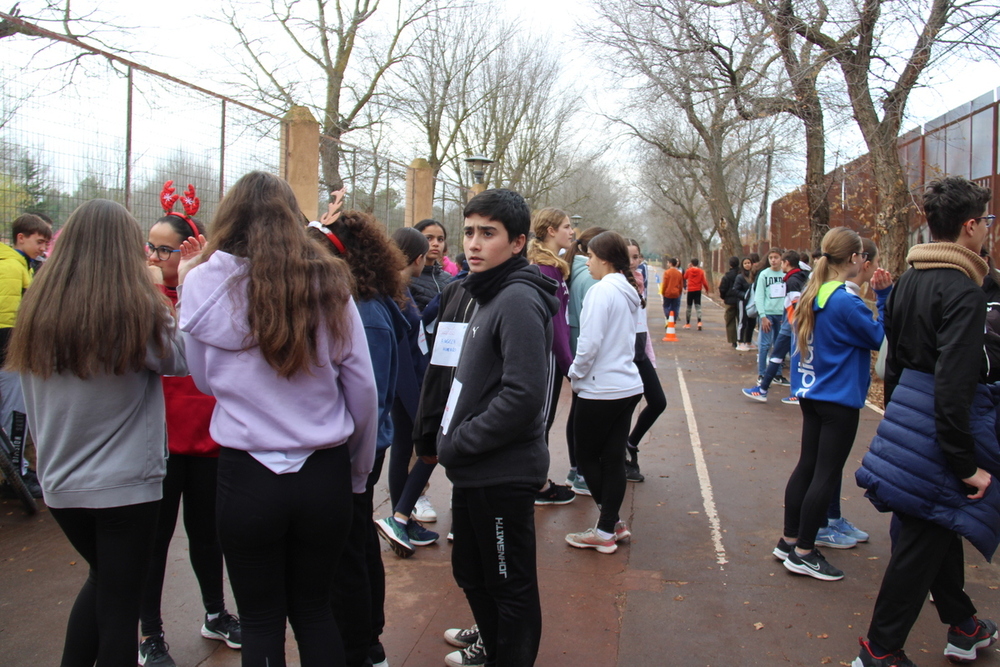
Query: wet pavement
[[696, 586]]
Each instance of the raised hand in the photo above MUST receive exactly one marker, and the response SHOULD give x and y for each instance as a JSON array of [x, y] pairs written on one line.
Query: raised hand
[[190, 251], [333, 209]]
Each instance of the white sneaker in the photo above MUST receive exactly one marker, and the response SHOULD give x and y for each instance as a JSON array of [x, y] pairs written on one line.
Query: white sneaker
[[423, 511]]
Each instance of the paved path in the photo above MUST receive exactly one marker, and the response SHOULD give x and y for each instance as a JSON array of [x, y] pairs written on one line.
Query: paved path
[[697, 585]]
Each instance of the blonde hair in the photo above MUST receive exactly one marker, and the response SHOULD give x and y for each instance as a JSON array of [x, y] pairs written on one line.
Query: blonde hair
[[838, 246], [541, 221]]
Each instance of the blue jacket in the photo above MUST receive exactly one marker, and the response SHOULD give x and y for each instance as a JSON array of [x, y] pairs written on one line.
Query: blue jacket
[[906, 471], [385, 329], [412, 361], [837, 364]]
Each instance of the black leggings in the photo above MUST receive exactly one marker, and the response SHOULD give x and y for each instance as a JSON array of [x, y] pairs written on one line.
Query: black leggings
[[194, 477], [405, 483], [116, 543], [358, 596], [746, 325], [828, 431], [652, 391], [571, 431], [282, 536], [601, 430]]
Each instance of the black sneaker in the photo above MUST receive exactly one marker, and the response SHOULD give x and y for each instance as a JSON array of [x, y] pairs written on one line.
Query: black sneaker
[[556, 494], [225, 627], [812, 564], [632, 473], [962, 647], [473, 656], [462, 637], [868, 659], [154, 652], [781, 381], [376, 653], [31, 481], [782, 550]]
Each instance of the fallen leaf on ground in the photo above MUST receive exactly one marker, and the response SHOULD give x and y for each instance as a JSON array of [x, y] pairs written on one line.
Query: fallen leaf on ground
[[758, 626]]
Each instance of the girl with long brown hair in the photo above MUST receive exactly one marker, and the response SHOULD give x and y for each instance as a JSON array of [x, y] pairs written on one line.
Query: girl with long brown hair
[[93, 337], [608, 386], [273, 334], [552, 233], [379, 290]]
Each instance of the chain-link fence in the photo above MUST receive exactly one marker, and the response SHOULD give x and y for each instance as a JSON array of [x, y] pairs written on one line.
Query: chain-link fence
[[77, 125]]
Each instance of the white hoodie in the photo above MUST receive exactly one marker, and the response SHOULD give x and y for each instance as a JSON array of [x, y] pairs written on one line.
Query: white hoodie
[[604, 367]]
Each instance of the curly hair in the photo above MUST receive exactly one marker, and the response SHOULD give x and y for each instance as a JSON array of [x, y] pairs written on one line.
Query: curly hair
[[375, 261]]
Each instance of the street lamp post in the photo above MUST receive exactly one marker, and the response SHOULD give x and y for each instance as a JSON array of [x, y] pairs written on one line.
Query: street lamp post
[[477, 165]]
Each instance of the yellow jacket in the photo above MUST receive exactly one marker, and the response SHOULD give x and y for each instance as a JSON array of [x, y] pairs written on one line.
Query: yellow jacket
[[14, 279]]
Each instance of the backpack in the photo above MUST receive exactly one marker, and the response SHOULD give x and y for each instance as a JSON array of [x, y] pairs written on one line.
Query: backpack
[[749, 305]]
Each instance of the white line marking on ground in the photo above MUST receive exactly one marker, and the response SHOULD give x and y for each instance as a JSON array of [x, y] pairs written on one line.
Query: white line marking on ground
[[875, 408], [699, 462]]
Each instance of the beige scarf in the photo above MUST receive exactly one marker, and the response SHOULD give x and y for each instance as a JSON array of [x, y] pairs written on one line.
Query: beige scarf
[[948, 255]]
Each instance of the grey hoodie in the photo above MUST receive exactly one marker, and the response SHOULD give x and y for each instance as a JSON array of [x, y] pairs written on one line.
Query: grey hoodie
[[102, 442], [496, 433]]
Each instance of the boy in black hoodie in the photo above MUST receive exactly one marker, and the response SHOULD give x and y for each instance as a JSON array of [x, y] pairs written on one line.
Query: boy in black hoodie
[[492, 437]]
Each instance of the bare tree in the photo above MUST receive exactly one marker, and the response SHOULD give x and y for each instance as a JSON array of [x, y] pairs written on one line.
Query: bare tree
[[525, 120], [439, 87], [879, 77], [322, 38], [665, 46]]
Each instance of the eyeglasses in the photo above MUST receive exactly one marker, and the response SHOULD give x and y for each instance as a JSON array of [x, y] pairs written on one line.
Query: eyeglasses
[[988, 218], [162, 253]]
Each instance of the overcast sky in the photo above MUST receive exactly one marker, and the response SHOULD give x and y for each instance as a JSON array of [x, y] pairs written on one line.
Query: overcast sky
[[180, 39]]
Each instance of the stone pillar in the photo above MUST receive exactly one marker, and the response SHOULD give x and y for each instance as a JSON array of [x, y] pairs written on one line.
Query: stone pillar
[[300, 158], [475, 189], [419, 192]]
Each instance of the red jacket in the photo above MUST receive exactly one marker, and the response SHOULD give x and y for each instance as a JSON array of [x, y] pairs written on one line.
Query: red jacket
[[695, 277], [189, 412]]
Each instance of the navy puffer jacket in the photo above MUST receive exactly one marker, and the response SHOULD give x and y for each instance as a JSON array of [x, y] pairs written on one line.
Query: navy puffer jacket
[[906, 471]]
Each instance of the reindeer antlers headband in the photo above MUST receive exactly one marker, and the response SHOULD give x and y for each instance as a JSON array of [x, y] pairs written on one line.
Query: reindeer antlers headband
[[189, 201]]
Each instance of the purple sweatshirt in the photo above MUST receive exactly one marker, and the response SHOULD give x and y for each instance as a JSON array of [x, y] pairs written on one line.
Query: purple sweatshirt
[[560, 321], [280, 421]]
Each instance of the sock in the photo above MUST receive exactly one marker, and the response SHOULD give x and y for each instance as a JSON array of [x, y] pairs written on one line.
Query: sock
[[603, 535], [968, 626], [401, 522], [211, 617], [877, 650]]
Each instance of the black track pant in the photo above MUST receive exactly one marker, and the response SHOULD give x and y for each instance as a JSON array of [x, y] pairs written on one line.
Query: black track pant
[[925, 557], [601, 430], [358, 597], [194, 477], [116, 543], [828, 431], [493, 560], [281, 536]]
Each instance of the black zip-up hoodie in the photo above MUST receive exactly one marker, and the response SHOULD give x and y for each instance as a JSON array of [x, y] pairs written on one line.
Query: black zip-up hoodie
[[496, 433]]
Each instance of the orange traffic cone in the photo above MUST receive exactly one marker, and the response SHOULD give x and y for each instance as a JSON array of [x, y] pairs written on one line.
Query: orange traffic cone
[[671, 335]]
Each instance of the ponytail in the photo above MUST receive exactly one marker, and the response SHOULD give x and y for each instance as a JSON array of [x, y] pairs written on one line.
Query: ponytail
[[611, 247], [539, 254], [839, 244]]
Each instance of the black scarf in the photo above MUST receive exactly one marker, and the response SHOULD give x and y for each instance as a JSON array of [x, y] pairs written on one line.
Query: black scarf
[[485, 285]]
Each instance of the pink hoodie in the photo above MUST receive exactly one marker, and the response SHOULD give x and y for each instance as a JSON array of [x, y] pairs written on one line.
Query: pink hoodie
[[280, 421]]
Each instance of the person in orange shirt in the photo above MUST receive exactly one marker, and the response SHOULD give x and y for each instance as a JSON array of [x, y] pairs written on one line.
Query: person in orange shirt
[[696, 282], [671, 288]]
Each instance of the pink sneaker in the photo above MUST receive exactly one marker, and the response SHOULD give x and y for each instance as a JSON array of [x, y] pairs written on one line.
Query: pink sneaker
[[589, 539], [622, 532]]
